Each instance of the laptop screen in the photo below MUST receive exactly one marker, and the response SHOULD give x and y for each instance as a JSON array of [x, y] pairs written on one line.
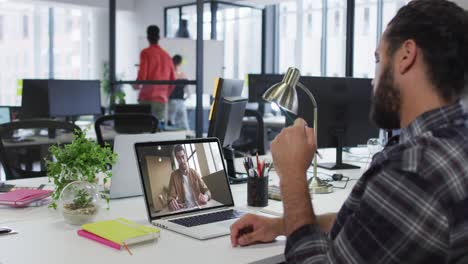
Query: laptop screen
[[5, 116], [183, 176]]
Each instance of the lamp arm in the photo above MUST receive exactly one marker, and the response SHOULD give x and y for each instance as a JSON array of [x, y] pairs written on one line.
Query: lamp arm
[[311, 96], [314, 103]]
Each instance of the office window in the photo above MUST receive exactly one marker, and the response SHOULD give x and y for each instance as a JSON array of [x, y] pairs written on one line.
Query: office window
[[312, 43], [289, 46], [22, 57], [366, 33], [172, 22], [390, 8], [189, 13], [365, 38], [239, 27], [26, 53], [306, 51], [2, 32], [218, 162], [71, 43], [25, 26], [192, 157], [366, 21], [336, 40], [213, 159]]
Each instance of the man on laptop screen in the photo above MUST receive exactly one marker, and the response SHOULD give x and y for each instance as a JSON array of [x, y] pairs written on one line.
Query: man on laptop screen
[[186, 187], [184, 177]]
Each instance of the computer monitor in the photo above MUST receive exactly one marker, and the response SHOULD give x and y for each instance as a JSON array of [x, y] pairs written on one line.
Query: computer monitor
[[226, 115], [227, 129], [229, 117], [71, 98], [60, 98], [259, 83], [343, 113], [5, 115], [343, 110], [223, 88], [35, 99]]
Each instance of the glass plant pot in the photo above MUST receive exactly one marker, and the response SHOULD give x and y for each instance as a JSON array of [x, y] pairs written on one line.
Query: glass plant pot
[[79, 202]]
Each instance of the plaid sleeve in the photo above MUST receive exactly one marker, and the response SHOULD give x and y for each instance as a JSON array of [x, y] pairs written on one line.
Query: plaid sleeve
[[397, 220]]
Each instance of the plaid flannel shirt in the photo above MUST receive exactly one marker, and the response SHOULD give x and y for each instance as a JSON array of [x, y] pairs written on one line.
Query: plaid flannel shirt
[[410, 206]]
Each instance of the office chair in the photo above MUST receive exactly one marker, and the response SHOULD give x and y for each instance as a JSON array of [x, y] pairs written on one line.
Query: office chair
[[131, 123], [19, 154], [261, 141]]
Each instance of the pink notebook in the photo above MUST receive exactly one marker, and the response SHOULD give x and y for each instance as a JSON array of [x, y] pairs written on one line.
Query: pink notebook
[[99, 239], [23, 197]]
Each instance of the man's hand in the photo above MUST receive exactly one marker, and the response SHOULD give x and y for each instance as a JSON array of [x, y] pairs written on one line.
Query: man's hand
[[293, 150], [202, 199], [254, 228], [174, 205]]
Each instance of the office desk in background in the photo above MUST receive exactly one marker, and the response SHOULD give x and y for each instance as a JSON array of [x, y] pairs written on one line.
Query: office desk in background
[[43, 236]]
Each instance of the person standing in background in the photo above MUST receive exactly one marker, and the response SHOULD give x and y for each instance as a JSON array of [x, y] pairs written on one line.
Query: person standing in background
[[155, 64], [177, 110]]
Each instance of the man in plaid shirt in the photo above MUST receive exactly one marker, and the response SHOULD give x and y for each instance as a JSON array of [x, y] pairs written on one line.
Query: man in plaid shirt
[[411, 205]]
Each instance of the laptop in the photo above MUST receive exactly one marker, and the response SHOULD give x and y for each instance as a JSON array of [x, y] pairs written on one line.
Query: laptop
[[125, 181], [5, 115], [174, 174]]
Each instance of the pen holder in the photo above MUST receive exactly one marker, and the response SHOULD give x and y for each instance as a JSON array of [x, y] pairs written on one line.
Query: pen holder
[[257, 191]]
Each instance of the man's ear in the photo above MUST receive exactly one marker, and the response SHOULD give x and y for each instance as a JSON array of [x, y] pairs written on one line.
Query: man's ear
[[406, 56]]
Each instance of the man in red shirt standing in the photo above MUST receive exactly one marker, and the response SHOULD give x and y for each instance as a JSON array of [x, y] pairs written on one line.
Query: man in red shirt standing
[[155, 64]]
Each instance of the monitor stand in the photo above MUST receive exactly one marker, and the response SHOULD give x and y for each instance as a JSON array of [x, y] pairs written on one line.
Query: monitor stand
[[338, 165], [231, 169]]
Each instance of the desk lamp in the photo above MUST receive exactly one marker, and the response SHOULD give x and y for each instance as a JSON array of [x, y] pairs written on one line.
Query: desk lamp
[[284, 95]]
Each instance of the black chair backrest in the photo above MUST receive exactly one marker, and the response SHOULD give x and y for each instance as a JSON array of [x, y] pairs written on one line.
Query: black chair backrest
[[17, 154], [261, 132], [131, 123]]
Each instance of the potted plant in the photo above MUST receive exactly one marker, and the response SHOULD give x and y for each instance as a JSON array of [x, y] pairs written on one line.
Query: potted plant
[[79, 202], [82, 160]]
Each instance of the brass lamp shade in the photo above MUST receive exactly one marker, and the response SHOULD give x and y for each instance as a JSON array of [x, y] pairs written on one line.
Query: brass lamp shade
[[284, 93]]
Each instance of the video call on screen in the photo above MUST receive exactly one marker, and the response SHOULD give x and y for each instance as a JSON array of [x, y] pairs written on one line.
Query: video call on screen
[[184, 177]]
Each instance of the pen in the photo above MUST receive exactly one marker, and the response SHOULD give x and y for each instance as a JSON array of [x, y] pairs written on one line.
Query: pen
[[318, 154], [258, 165]]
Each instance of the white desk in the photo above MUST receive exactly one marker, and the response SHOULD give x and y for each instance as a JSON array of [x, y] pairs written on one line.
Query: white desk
[[45, 238]]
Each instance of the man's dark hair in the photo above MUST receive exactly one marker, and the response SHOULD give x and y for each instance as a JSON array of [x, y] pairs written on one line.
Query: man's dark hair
[[178, 148], [177, 59], [440, 30], [152, 33]]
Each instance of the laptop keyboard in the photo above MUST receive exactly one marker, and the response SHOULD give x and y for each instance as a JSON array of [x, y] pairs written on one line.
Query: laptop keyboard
[[208, 218]]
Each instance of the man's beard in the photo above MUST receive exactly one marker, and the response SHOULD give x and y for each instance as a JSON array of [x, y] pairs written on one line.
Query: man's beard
[[386, 102]]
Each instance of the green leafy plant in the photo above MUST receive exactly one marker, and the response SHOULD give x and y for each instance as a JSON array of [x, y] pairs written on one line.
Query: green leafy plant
[[120, 97], [82, 200], [81, 160], [105, 82]]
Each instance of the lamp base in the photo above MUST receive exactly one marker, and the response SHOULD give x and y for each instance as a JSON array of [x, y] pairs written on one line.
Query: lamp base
[[319, 186], [335, 166]]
